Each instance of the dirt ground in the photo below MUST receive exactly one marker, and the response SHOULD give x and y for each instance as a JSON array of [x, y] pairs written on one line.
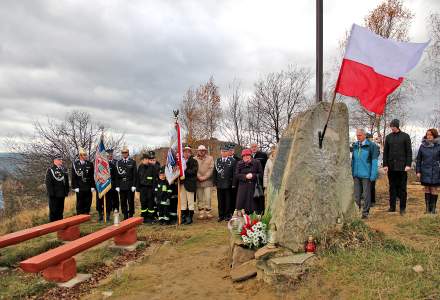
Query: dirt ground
[[197, 267]]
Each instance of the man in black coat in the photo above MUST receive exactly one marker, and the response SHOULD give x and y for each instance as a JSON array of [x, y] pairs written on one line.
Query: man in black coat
[[126, 174], [147, 178], [397, 158], [237, 158], [224, 168], [83, 182], [188, 186], [57, 185]]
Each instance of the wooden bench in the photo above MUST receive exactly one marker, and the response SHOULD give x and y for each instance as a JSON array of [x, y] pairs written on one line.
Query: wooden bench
[[59, 265], [68, 230]]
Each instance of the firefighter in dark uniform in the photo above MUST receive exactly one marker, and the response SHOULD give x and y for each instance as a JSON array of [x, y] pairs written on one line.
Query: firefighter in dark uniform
[[111, 196], [163, 195], [147, 177], [83, 182], [173, 202], [126, 182], [57, 185], [224, 168]]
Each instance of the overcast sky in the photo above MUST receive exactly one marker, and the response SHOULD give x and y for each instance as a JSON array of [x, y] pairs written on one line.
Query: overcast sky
[[128, 63]]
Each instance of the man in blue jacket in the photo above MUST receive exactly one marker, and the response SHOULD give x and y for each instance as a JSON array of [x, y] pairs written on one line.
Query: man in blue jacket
[[364, 170]]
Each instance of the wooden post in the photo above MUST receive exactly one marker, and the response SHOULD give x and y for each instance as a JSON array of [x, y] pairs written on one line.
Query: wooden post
[[105, 207], [179, 212]]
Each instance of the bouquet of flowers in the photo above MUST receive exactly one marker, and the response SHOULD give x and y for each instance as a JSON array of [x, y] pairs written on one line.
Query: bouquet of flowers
[[254, 231]]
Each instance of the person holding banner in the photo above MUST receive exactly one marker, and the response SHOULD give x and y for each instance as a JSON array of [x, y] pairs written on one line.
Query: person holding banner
[[102, 181], [188, 186], [126, 182], [112, 195]]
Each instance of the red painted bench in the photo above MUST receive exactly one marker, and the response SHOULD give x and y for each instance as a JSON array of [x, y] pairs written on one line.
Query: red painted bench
[[59, 265], [68, 230]]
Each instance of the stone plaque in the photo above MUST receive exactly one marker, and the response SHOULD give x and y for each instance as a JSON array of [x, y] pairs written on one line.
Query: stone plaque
[[280, 162]]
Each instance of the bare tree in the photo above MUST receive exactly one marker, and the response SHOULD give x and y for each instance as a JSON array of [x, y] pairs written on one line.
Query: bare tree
[[61, 137], [434, 49], [297, 82], [190, 113], [208, 100], [201, 111], [234, 114], [277, 99]]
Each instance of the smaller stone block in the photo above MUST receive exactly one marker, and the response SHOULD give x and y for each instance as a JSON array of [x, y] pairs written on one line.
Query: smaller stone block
[[62, 272], [126, 238], [131, 247], [297, 259], [244, 271], [75, 280], [265, 251], [69, 234], [241, 255]]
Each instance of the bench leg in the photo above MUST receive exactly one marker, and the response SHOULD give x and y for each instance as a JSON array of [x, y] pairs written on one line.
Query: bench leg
[[127, 238], [69, 234], [62, 272]]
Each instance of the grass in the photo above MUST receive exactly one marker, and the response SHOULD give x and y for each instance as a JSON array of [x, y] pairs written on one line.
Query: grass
[[13, 255], [369, 266], [15, 285], [94, 258], [428, 225]]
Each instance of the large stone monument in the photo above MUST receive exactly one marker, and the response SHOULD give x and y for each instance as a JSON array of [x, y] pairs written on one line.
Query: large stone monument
[[311, 188]]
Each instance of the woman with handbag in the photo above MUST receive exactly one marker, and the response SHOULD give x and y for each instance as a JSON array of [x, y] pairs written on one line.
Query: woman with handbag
[[428, 168], [247, 173]]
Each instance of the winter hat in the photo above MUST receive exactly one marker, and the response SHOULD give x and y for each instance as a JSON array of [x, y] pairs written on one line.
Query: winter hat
[[246, 152], [395, 123]]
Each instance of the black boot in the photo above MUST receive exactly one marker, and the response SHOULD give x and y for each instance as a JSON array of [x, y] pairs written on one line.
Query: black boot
[[433, 203], [100, 217], [183, 214], [428, 203], [189, 217]]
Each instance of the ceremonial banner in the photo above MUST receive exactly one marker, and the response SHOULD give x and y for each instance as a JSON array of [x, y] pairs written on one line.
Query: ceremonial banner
[[175, 166], [102, 170], [373, 67]]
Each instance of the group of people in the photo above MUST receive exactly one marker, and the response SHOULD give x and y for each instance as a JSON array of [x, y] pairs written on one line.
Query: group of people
[[240, 182], [234, 178], [397, 161]]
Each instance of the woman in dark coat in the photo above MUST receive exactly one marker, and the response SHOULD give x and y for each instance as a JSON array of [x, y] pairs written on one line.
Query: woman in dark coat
[[428, 168], [247, 173]]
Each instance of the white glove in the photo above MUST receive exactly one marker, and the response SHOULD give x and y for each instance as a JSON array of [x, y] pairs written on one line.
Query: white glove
[[133, 189], [118, 189], [92, 189], [76, 190]]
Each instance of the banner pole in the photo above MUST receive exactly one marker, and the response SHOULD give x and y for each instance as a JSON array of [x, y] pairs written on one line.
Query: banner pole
[[105, 209], [179, 212]]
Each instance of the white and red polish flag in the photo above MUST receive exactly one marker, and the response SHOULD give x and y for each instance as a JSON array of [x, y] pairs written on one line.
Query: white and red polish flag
[[373, 67]]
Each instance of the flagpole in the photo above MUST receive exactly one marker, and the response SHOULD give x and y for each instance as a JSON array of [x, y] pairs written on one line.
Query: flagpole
[[179, 212], [105, 209]]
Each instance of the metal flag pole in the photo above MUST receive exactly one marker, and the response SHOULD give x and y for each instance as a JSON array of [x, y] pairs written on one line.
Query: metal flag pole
[[319, 51], [319, 67]]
